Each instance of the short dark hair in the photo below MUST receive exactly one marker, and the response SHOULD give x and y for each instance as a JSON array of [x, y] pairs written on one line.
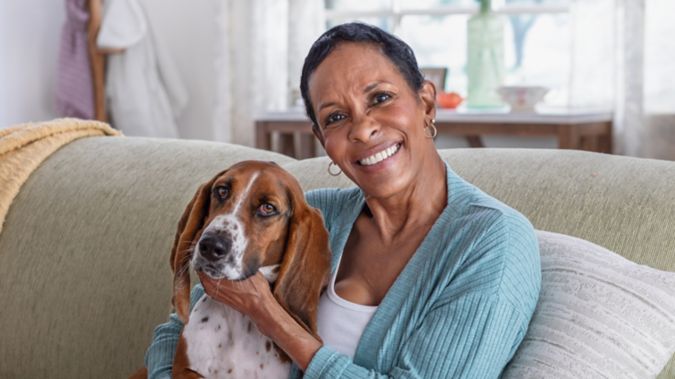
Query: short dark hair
[[397, 51]]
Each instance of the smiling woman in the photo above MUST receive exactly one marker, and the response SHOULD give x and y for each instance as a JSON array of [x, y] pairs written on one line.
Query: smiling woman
[[431, 277]]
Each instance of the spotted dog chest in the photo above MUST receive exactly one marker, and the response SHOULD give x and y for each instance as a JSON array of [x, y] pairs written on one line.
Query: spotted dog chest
[[223, 343]]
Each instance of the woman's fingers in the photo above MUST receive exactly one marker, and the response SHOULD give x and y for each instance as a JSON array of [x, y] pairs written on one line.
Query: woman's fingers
[[241, 295]]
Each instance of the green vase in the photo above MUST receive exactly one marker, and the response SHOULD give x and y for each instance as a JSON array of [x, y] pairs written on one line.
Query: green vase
[[485, 58]]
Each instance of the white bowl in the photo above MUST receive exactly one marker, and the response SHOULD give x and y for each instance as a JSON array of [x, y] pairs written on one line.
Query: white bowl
[[522, 98]]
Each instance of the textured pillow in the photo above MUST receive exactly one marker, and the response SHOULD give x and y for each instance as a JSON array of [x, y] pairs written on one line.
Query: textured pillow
[[598, 315]]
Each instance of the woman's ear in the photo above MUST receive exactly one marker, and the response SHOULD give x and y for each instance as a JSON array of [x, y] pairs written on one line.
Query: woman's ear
[[427, 95]]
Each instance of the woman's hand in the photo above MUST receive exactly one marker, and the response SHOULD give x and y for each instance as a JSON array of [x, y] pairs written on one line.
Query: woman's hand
[[253, 297], [247, 296]]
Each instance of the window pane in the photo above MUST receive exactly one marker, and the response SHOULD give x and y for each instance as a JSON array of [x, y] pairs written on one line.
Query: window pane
[[659, 56], [384, 23], [537, 2], [439, 41], [423, 4], [538, 53], [537, 50], [357, 5]]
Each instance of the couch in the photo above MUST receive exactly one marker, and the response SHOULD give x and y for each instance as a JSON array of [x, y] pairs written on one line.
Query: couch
[[84, 253]]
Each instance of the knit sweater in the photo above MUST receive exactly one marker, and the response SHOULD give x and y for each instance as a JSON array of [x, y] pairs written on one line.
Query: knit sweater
[[459, 309]]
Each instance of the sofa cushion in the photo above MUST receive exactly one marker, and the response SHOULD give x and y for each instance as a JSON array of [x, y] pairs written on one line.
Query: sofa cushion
[[599, 315], [622, 203]]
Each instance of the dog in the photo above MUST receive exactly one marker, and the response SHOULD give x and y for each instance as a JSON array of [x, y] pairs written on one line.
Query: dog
[[251, 217]]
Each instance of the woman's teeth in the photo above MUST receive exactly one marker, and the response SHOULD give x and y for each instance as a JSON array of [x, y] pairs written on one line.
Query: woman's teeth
[[379, 157]]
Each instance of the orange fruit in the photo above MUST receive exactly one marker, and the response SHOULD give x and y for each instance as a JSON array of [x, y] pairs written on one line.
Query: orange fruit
[[448, 99]]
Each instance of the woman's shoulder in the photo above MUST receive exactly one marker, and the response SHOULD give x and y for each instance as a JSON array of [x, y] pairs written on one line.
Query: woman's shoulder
[[509, 245], [332, 201], [471, 200], [503, 242], [505, 234], [327, 198]]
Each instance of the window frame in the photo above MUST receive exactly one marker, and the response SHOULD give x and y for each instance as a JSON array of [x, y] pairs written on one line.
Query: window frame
[[394, 13]]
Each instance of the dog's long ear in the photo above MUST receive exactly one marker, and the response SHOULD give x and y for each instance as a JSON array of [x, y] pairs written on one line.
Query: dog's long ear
[[305, 266], [189, 228]]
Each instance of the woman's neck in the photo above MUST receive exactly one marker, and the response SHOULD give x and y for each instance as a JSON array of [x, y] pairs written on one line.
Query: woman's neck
[[416, 207]]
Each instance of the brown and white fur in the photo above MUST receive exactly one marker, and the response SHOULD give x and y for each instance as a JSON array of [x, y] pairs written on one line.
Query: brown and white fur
[[251, 217]]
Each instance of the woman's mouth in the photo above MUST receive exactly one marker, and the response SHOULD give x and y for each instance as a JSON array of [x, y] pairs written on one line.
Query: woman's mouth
[[380, 156]]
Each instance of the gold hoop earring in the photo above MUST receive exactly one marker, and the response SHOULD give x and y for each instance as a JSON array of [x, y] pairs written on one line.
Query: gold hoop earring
[[430, 130], [333, 173]]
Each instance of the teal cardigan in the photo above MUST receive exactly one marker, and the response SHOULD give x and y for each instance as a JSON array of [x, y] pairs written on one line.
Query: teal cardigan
[[459, 309]]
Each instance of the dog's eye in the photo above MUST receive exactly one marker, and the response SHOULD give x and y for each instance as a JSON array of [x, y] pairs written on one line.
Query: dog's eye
[[221, 192], [266, 210]]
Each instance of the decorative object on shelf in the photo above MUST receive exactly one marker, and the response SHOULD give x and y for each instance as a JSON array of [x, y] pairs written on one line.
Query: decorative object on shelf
[[435, 75], [522, 98], [485, 57], [449, 100]]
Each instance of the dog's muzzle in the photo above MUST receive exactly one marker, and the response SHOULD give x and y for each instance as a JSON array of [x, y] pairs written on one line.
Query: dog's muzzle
[[214, 247], [216, 257]]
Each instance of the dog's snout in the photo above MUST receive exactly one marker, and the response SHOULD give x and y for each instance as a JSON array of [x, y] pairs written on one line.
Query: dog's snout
[[214, 247]]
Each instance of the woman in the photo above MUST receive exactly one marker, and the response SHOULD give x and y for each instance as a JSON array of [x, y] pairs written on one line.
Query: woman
[[432, 278]]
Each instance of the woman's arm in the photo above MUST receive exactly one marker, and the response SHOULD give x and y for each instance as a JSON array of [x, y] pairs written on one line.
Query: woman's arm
[[470, 337], [254, 298], [251, 296]]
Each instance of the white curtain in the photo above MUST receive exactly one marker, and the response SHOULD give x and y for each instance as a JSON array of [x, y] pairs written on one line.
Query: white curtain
[[623, 54], [259, 57]]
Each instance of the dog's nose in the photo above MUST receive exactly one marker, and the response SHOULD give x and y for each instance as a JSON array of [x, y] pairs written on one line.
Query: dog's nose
[[213, 247]]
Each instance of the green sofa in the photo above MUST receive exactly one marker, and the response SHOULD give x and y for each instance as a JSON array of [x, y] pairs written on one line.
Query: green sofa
[[84, 254]]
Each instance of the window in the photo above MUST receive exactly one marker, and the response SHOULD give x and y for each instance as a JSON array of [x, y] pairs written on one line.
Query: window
[[537, 36]]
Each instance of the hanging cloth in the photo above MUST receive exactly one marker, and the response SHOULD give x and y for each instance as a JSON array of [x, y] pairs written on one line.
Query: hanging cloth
[[144, 90], [74, 86]]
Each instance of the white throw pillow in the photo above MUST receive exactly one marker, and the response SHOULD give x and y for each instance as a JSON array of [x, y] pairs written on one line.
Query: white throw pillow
[[599, 315]]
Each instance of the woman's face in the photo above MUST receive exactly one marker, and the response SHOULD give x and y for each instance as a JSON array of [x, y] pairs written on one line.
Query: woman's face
[[370, 121]]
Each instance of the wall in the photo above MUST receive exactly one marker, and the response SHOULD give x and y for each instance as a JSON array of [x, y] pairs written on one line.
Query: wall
[[30, 32], [29, 40]]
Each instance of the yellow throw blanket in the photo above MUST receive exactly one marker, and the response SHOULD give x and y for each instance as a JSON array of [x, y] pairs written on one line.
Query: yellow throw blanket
[[24, 147]]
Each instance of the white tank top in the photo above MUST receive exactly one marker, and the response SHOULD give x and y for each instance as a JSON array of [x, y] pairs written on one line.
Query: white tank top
[[341, 322]]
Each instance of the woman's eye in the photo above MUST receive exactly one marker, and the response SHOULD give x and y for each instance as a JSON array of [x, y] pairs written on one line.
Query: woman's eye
[[222, 192], [266, 210], [334, 117], [380, 97]]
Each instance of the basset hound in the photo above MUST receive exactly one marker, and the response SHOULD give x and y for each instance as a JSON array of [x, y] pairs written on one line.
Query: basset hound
[[251, 217]]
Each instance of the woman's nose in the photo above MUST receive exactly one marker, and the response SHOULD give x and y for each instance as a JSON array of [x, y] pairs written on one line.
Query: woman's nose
[[363, 128]]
